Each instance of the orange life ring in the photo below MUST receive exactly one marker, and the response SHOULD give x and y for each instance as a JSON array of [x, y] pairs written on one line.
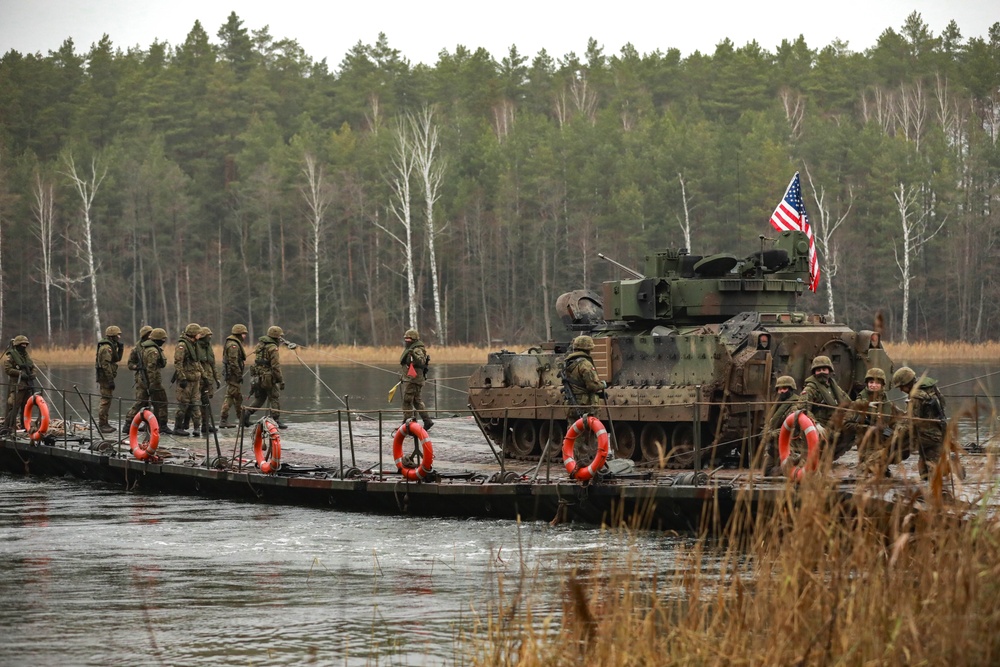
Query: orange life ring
[[269, 458], [811, 433], [603, 445], [36, 400], [426, 449], [144, 450]]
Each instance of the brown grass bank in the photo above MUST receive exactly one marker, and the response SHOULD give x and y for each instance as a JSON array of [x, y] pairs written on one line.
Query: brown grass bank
[[819, 581], [334, 355]]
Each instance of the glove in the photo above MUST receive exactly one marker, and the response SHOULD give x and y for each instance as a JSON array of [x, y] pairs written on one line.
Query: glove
[[183, 384], [281, 386], [218, 384], [111, 385]]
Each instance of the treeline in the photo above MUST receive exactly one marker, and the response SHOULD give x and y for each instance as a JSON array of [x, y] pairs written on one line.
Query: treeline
[[237, 179]]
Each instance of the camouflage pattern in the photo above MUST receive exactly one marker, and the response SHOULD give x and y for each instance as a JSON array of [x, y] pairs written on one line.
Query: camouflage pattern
[[586, 386], [414, 353], [233, 366], [266, 381], [187, 370], [677, 343], [152, 394], [134, 364], [209, 377], [109, 353], [871, 418], [821, 398], [777, 414], [922, 428], [20, 372]]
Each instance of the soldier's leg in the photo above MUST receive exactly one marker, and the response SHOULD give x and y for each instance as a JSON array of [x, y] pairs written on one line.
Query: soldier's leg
[[257, 398], [930, 455], [418, 405], [104, 408], [274, 405], [158, 398], [410, 393], [141, 399]]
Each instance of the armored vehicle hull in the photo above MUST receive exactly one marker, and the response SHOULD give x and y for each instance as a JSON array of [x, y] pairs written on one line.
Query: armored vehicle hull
[[690, 358]]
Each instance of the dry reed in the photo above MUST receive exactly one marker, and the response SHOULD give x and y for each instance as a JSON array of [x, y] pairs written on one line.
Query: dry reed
[[816, 580]]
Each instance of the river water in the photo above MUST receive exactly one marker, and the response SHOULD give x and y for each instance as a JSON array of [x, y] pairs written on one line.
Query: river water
[[97, 576]]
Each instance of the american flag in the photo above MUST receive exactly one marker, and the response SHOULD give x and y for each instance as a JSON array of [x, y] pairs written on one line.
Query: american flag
[[791, 215]]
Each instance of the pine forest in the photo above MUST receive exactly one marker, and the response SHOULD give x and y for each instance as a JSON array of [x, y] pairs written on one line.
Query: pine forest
[[235, 178]]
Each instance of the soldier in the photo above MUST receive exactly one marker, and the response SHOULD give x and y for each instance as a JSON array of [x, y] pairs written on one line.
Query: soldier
[[109, 353], [153, 361], [187, 374], [783, 406], [266, 381], [820, 398], [134, 364], [20, 371], [871, 419], [580, 380], [414, 361], [234, 359], [209, 380], [924, 426]]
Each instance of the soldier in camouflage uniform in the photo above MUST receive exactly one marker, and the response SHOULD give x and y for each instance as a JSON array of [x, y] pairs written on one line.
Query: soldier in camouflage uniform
[[266, 381], [414, 361], [109, 353], [580, 377], [187, 374], [234, 359], [154, 360], [134, 364], [783, 406], [821, 397], [20, 372], [924, 425], [871, 419], [209, 381]]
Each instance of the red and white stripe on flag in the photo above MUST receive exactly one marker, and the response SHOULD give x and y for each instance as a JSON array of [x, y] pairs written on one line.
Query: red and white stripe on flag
[[790, 215]]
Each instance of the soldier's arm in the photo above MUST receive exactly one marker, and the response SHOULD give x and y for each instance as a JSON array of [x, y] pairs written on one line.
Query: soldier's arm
[[276, 366]]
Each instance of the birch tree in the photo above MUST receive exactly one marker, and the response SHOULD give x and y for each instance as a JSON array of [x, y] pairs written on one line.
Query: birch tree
[[824, 228], [43, 209], [401, 206], [86, 186], [430, 168], [915, 228], [686, 222], [318, 196]]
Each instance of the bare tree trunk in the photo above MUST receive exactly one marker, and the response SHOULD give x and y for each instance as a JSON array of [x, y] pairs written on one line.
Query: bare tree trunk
[[824, 230], [916, 233], [686, 223], [431, 170], [44, 214], [318, 197], [87, 189], [401, 205]]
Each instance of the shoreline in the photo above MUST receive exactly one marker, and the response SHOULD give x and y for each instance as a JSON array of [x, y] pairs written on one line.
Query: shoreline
[[346, 355]]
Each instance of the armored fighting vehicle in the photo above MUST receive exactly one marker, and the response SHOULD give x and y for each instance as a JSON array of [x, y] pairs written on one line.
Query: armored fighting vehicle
[[690, 349]]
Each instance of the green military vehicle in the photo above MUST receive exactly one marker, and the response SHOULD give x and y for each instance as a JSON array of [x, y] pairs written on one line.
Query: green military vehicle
[[690, 349]]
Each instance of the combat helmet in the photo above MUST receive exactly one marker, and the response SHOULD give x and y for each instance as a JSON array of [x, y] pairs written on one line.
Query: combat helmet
[[158, 334], [412, 334], [822, 361], [205, 331], [192, 329], [112, 331], [145, 331], [239, 329], [786, 381], [20, 340], [275, 332], [875, 373], [583, 343], [904, 375]]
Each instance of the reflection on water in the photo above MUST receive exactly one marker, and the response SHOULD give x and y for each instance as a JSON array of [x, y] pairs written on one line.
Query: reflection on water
[[97, 576]]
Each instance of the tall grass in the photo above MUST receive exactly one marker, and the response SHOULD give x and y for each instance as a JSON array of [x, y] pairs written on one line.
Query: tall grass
[[816, 580]]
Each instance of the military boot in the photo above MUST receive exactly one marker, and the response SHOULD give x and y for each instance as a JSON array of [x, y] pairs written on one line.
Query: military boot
[[179, 427], [246, 417], [428, 423], [106, 428], [225, 423]]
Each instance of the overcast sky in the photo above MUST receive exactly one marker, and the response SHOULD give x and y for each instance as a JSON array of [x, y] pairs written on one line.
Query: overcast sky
[[420, 29]]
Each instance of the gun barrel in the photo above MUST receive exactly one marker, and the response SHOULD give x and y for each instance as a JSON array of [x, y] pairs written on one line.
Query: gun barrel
[[621, 266]]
